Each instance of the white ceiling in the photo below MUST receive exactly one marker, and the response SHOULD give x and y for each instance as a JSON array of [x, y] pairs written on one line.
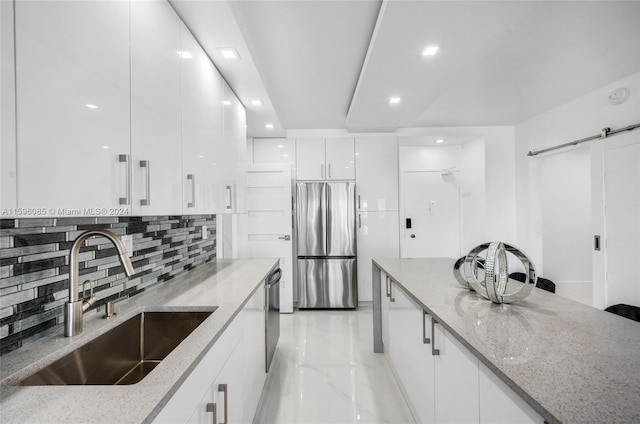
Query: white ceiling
[[334, 64]]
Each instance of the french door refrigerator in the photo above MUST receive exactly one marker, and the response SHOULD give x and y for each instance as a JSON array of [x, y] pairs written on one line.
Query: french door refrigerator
[[326, 243]]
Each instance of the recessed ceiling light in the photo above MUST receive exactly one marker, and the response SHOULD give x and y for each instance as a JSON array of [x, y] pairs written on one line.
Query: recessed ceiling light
[[226, 102], [229, 52], [256, 102], [268, 126], [90, 106], [280, 146], [394, 100], [430, 50], [105, 147], [185, 54], [440, 140]]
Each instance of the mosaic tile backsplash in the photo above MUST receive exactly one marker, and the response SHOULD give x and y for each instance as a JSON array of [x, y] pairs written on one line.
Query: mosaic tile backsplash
[[34, 264]]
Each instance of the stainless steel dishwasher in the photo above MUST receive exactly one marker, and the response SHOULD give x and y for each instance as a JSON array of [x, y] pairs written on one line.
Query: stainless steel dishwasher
[[272, 315]]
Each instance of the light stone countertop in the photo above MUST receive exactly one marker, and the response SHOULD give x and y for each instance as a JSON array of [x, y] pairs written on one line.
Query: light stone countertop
[[227, 284], [571, 362]]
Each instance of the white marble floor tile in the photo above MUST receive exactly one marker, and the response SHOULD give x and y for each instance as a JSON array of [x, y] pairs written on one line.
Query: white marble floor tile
[[325, 371]]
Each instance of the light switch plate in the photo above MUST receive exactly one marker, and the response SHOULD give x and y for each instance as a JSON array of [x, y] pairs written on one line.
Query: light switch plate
[[128, 243], [205, 233]]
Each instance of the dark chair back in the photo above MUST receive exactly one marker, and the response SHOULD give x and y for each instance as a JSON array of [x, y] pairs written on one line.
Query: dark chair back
[[542, 283], [627, 311]]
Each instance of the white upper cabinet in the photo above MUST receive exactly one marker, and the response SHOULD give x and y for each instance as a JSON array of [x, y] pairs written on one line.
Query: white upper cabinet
[[201, 129], [377, 173], [72, 71], [340, 159], [234, 172], [325, 159], [156, 106], [310, 164]]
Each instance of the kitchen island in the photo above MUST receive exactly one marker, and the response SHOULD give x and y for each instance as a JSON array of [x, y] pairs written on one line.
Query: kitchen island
[[225, 284], [568, 362]]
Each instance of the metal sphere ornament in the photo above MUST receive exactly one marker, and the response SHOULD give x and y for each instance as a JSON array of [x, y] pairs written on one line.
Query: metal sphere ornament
[[489, 276]]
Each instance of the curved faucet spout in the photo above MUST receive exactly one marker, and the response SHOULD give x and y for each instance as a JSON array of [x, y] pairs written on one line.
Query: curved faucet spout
[[74, 307]]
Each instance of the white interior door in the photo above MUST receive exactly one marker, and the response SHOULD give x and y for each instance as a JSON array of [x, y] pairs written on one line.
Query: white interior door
[[622, 224], [431, 201], [619, 254], [269, 205]]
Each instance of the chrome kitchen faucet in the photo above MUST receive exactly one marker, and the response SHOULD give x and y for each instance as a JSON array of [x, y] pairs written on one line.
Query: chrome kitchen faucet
[[75, 307]]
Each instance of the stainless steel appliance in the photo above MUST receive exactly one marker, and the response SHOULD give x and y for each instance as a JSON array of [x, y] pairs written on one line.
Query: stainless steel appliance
[[326, 243], [272, 315]]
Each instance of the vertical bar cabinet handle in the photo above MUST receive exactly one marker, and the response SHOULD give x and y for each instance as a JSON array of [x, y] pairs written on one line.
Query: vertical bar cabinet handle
[[192, 177], [212, 407], [434, 351], [329, 170], [127, 199], [321, 171], [229, 194], [147, 165], [223, 388], [425, 339]]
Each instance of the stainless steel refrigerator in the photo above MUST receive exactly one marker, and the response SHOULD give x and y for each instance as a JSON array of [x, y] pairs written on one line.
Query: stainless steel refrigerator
[[326, 243]]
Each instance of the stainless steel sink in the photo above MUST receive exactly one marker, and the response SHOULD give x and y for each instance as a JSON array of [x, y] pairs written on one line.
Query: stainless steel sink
[[124, 354]]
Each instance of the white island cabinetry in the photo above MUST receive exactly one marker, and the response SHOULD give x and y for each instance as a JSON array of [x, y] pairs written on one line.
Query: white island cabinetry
[[442, 380]]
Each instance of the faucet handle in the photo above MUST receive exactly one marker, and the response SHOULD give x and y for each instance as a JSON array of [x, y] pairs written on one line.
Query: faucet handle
[[86, 304], [84, 290]]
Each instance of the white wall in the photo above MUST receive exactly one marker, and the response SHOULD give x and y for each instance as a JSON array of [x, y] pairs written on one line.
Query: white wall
[[554, 192]]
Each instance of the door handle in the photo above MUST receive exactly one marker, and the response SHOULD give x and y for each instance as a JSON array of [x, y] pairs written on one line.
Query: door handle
[[329, 170], [147, 165], [285, 237], [322, 171], [229, 198]]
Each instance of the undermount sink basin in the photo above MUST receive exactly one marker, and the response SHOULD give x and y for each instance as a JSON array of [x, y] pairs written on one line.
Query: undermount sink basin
[[124, 354]]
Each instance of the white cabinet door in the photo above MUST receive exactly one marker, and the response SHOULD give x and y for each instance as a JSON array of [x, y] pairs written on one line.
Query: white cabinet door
[[411, 356], [310, 163], [456, 380], [325, 159], [188, 403], [234, 172], [377, 173], [340, 158], [224, 394], [499, 404], [72, 72], [378, 237], [253, 368], [201, 128], [156, 109]]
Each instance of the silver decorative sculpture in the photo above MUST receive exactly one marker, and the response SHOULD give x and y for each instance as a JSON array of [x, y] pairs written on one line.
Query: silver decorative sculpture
[[489, 276]]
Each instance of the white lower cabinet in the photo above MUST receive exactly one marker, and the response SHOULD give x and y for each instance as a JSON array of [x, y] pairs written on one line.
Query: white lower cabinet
[[499, 404], [411, 356], [455, 380], [225, 394], [442, 381], [229, 379]]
